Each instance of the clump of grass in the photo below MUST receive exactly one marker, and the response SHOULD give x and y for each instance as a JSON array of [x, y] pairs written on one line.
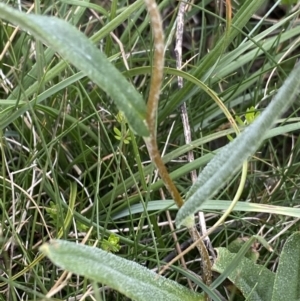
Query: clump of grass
[[60, 154]]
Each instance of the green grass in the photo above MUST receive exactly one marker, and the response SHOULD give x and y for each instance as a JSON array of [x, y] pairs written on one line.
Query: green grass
[[59, 151]]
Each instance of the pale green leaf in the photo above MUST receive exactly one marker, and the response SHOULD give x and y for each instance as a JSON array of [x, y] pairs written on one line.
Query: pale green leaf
[[287, 284], [75, 47], [210, 205], [127, 277], [254, 281], [117, 131], [224, 165]]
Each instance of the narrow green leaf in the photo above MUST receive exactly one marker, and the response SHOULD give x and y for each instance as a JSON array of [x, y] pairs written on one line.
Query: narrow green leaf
[[211, 205], [240, 19], [254, 281], [75, 47], [87, 4], [224, 165], [127, 277], [287, 285]]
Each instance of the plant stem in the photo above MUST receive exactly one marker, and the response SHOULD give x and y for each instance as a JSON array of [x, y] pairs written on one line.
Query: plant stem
[[152, 103]]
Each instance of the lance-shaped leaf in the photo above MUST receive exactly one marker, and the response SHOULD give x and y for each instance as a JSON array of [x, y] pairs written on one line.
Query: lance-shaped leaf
[[287, 285], [253, 280], [76, 48], [224, 165], [127, 277]]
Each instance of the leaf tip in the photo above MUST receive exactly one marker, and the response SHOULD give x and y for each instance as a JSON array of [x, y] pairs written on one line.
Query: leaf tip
[[188, 221], [45, 248]]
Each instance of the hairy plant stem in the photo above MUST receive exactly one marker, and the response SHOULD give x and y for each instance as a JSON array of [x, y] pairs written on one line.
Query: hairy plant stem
[[151, 142], [153, 98], [206, 264]]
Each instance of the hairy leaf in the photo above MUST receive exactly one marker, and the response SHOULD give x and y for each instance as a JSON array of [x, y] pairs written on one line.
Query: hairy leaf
[[75, 47], [127, 277]]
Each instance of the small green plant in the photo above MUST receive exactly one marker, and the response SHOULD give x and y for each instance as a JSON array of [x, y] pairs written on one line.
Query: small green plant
[[111, 244], [123, 134], [250, 115], [54, 213]]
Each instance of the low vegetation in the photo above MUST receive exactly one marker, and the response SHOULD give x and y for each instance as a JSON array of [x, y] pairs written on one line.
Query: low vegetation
[[81, 129]]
